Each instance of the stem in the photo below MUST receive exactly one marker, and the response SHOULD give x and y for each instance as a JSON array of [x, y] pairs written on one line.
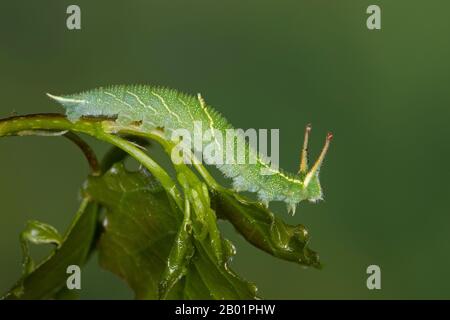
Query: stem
[[80, 143], [14, 125], [159, 173], [168, 146], [87, 151], [104, 130], [190, 184]]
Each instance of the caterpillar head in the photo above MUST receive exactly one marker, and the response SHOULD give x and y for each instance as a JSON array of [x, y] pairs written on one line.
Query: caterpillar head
[[309, 187]]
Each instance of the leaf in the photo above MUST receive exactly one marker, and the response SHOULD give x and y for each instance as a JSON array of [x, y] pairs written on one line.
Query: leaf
[[38, 233], [48, 279], [264, 230], [142, 237], [207, 280]]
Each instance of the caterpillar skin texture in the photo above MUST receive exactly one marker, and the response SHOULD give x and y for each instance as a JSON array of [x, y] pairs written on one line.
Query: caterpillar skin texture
[[157, 107]]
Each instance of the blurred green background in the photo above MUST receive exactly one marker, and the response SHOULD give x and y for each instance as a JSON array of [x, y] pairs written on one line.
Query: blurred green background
[[264, 64]]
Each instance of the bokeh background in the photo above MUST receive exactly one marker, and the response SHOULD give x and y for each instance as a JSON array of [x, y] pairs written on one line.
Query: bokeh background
[[264, 64]]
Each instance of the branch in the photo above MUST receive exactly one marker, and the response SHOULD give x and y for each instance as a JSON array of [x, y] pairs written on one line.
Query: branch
[[95, 128]]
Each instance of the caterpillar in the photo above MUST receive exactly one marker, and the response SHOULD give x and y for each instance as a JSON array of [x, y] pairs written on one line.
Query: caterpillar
[[167, 109]]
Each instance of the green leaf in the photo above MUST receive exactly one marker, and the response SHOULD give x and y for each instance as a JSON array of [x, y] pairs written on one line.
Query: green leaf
[[38, 233], [263, 229], [144, 234], [49, 278]]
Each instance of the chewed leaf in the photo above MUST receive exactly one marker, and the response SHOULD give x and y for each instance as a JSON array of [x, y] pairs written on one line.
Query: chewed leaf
[[142, 237], [264, 230]]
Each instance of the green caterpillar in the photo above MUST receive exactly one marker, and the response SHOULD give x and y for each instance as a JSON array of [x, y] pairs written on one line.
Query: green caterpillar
[[156, 107]]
